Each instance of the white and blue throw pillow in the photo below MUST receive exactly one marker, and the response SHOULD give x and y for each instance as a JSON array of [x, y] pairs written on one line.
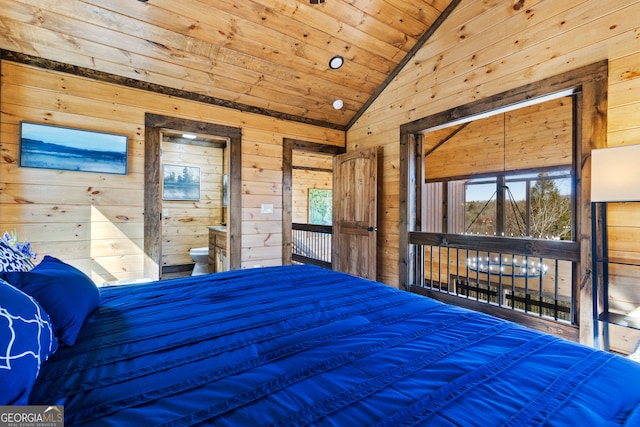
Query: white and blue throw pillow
[[13, 260], [26, 342]]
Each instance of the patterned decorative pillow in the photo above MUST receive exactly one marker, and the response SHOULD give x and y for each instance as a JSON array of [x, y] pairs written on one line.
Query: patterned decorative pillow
[[12, 260], [26, 342]]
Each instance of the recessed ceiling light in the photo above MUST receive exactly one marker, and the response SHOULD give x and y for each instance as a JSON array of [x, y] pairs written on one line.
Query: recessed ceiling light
[[336, 62], [338, 104]]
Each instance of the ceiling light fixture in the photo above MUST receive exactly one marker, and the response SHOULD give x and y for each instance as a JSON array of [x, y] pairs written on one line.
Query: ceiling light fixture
[[336, 62], [338, 104], [189, 136]]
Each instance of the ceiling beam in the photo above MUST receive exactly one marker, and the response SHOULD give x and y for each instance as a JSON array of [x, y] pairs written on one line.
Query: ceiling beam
[[156, 88]]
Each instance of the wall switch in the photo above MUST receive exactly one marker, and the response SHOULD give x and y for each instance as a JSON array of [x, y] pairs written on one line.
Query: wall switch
[[165, 212], [267, 208]]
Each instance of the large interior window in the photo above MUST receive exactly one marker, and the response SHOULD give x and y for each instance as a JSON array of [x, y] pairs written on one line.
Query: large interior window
[[508, 175], [530, 135]]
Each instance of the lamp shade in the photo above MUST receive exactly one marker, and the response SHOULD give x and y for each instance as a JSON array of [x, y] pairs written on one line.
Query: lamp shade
[[615, 174]]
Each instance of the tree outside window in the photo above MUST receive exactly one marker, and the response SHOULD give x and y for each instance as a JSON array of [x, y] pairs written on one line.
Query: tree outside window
[[535, 205], [320, 207]]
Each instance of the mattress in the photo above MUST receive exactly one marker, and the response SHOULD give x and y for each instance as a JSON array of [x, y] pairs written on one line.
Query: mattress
[[302, 345]]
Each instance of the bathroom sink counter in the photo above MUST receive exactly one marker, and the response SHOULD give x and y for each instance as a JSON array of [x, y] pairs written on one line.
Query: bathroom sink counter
[[218, 260]]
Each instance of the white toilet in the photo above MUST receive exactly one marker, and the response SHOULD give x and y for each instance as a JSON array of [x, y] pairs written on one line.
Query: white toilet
[[201, 257]]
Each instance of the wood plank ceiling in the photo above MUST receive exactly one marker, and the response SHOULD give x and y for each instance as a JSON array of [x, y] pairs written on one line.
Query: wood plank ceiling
[[269, 56]]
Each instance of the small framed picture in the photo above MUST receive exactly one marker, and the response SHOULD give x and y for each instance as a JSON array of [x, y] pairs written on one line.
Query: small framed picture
[[180, 182], [320, 207]]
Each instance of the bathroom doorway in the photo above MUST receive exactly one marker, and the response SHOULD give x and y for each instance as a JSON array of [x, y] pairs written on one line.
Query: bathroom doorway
[[179, 185], [194, 168]]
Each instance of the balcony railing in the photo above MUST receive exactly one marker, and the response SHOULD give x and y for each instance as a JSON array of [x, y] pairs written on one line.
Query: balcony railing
[[311, 244], [534, 277]]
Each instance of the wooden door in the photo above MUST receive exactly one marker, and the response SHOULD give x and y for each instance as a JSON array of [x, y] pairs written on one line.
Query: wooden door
[[355, 219]]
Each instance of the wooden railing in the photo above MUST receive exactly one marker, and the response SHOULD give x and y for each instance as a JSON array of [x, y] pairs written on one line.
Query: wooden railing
[[448, 264], [312, 244]]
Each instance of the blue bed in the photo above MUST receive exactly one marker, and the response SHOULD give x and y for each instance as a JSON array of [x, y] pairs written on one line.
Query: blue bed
[[300, 345]]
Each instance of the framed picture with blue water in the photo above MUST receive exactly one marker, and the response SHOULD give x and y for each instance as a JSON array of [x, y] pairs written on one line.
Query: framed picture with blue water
[[57, 147], [180, 182]]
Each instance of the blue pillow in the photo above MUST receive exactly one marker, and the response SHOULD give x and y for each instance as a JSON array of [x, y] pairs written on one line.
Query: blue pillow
[[12, 259], [26, 342], [65, 292]]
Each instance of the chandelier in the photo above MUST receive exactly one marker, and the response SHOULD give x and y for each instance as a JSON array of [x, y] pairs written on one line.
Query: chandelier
[[504, 266]]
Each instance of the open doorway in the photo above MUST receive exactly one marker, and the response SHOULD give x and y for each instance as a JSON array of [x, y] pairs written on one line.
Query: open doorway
[[193, 178], [156, 127], [297, 156]]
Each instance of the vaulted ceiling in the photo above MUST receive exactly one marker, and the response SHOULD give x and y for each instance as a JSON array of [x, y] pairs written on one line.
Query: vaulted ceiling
[[268, 56]]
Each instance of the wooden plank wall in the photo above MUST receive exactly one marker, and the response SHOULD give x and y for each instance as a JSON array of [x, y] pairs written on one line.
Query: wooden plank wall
[[487, 47], [624, 222], [528, 138], [95, 221]]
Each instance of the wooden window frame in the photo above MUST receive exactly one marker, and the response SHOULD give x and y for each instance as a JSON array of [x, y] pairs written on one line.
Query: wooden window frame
[[589, 84]]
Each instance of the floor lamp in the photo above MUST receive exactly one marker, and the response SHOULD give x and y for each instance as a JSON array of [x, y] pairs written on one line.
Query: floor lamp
[[615, 177]]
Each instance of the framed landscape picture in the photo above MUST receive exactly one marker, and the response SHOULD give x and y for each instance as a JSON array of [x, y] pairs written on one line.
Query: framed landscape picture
[[320, 207], [57, 147], [180, 182]]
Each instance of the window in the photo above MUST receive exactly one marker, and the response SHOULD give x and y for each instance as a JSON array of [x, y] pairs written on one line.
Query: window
[[508, 174], [508, 180], [441, 152], [537, 205]]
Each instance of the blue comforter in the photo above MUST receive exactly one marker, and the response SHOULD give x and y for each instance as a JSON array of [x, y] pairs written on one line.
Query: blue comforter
[[300, 345]]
